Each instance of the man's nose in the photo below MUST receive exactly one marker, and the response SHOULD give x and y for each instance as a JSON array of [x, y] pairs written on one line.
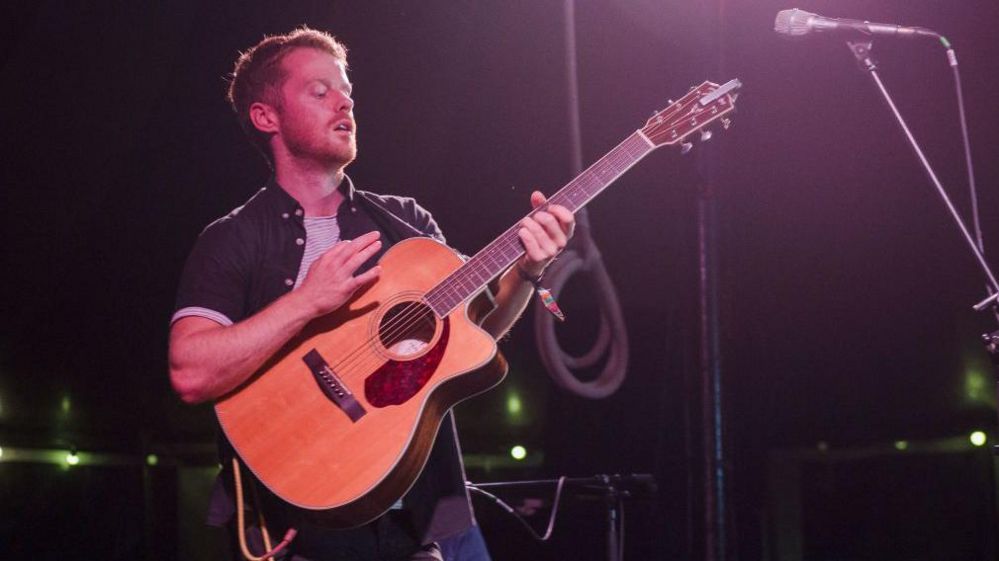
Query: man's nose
[[346, 103]]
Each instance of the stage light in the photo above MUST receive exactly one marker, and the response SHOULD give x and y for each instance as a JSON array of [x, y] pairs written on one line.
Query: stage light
[[1, 452], [978, 438], [152, 459], [901, 445], [976, 387], [514, 405], [66, 405], [72, 458], [518, 452]]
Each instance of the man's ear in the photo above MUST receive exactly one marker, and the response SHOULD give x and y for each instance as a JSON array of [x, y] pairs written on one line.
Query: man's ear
[[264, 117]]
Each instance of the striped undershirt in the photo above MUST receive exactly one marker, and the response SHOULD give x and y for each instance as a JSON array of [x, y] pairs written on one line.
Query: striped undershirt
[[321, 233]]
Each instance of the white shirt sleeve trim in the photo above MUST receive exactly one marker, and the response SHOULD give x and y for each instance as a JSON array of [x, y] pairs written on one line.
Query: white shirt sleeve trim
[[206, 313]]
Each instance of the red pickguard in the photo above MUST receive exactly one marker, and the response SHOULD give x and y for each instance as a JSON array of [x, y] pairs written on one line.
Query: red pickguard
[[397, 381]]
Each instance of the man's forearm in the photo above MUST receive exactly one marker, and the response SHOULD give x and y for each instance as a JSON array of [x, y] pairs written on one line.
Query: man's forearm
[[511, 299], [208, 360]]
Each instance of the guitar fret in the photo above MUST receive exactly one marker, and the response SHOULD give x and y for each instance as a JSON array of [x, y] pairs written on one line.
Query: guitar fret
[[482, 275], [492, 260]]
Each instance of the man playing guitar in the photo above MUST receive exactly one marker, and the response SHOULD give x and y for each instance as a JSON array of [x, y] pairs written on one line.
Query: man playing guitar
[[300, 249]]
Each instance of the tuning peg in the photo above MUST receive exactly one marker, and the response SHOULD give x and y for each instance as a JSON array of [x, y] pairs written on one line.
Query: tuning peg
[[726, 123], [686, 147], [705, 135]]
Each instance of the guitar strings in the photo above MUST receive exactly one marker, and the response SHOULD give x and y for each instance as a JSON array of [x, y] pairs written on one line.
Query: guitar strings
[[403, 322]]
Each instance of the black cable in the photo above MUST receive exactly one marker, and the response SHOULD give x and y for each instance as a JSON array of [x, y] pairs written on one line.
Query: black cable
[[513, 511]]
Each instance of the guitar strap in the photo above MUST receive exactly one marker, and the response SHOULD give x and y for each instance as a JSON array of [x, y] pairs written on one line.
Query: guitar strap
[[396, 227]]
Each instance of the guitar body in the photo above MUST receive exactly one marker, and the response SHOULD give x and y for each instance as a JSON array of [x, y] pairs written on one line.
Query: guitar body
[[342, 420]]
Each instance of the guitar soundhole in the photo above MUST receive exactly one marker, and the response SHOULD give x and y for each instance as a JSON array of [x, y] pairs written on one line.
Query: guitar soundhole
[[416, 343], [407, 329]]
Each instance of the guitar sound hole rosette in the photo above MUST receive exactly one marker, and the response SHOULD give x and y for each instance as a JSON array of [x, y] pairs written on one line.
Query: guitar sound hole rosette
[[406, 328]]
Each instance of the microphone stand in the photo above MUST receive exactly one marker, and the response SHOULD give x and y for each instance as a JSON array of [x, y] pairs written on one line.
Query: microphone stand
[[613, 490], [862, 52]]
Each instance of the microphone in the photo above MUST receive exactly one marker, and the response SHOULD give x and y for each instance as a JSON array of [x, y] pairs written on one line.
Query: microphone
[[795, 23]]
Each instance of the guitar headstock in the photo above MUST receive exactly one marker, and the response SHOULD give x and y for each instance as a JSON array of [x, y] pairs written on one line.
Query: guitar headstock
[[702, 106]]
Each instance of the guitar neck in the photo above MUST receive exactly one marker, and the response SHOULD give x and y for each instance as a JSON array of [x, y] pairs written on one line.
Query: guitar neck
[[502, 252]]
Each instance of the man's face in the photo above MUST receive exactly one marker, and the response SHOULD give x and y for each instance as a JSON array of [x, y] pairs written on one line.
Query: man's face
[[316, 112]]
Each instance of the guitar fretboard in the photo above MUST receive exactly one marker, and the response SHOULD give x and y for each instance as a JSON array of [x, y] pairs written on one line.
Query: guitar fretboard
[[502, 252]]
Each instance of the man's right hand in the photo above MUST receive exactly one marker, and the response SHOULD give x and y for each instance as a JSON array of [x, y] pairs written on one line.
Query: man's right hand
[[331, 282]]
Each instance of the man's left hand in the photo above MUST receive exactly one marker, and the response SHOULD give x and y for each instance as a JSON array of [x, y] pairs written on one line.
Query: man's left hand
[[544, 234]]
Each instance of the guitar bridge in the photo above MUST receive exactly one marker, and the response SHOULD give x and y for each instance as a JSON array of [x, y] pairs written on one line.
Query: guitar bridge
[[332, 386]]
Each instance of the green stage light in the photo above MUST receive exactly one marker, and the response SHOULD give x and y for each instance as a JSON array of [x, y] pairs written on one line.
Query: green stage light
[[152, 459], [514, 405], [518, 452], [976, 387], [901, 445], [978, 438], [72, 458], [1, 452]]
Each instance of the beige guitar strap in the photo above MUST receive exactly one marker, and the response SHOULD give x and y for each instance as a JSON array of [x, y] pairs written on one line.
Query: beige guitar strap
[[261, 523]]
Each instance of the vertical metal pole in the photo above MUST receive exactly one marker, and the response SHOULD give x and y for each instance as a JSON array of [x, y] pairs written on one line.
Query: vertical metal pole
[[715, 511], [711, 387]]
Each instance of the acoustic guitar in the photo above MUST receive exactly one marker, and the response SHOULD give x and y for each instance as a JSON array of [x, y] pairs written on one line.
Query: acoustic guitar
[[340, 422]]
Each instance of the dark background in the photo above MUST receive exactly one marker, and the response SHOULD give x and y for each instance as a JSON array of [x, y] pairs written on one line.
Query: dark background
[[845, 291]]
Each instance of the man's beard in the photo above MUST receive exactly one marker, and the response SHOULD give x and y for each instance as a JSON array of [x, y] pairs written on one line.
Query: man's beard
[[314, 145]]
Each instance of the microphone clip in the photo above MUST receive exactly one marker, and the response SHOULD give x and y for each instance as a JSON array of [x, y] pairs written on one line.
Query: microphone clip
[[862, 52]]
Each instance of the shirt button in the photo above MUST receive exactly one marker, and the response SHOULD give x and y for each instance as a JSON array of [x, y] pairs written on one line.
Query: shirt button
[[285, 215], [300, 241], [298, 212], [289, 282]]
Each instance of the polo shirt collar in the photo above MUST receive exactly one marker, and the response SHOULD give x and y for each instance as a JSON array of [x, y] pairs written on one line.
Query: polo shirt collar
[[285, 203]]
